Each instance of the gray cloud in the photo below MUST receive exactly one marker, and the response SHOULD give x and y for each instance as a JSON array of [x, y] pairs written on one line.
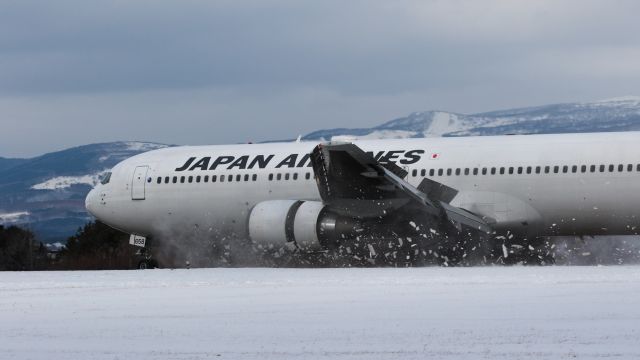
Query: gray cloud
[[73, 72]]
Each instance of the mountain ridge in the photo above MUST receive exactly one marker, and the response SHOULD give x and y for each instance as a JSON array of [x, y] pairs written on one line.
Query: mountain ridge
[[617, 114]]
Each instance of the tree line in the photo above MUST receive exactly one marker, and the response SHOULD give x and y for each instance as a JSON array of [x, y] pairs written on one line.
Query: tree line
[[95, 246]]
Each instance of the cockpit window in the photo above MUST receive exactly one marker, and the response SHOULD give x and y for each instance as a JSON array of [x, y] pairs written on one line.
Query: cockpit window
[[105, 178]]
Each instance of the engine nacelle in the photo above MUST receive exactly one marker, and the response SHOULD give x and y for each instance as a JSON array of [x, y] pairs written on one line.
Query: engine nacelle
[[286, 222]]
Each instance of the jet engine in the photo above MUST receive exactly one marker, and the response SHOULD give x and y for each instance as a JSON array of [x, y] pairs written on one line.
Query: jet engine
[[306, 224]]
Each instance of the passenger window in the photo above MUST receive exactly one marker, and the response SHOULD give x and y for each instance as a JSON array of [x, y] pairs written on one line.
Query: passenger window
[[475, 171], [493, 171], [182, 179], [501, 171], [519, 169], [278, 176], [448, 172], [221, 178], [254, 177], [286, 176], [159, 181], [601, 168], [528, 169], [556, 169], [190, 179], [565, 169], [466, 171], [484, 171], [307, 176], [246, 177], [414, 172], [423, 172], [583, 168], [229, 178], [432, 172], [175, 179], [214, 178], [547, 169], [620, 168], [592, 168], [629, 167], [440, 171], [238, 177], [295, 176], [611, 167], [270, 177], [538, 169], [510, 170], [458, 172], [206, 178], [166, 180], [198, 178]]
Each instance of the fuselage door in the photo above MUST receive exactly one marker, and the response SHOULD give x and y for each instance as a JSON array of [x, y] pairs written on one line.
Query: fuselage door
[[138, 183]]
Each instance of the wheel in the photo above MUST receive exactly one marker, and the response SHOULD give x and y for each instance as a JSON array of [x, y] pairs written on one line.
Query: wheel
[[147, 264]]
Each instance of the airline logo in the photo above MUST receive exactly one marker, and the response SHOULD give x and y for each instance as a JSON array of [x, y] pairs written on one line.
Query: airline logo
[[243, 162]]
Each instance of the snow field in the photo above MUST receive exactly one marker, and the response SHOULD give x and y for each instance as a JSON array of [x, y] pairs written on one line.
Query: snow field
[[442, 313]]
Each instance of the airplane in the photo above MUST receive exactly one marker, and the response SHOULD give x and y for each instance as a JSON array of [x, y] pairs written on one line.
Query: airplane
[[391, 201]]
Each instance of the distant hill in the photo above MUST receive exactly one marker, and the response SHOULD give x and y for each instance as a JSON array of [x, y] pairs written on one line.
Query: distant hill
[[48, 191], [8, 163], [619, 114]]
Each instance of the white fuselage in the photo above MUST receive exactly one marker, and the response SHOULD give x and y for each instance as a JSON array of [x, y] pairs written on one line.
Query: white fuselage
[[538, 185]]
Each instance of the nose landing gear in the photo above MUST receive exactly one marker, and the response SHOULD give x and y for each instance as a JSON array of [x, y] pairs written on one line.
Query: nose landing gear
[[145, 260]]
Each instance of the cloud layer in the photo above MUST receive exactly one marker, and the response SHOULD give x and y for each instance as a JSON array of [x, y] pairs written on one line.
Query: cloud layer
[[73, 72]]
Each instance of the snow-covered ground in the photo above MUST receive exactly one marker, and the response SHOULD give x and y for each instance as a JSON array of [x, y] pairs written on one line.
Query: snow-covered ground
[[7, 218], [441, 313], [63, 182]]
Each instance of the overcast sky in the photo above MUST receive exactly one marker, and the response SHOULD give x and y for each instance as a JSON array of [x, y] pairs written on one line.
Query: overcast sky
[[207, 72]]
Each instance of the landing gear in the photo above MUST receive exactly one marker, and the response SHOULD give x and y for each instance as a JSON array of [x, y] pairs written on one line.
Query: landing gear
[[147, 264], [145, 261]]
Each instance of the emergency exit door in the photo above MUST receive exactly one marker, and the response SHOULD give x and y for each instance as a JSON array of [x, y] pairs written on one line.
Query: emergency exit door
[[139, 182]]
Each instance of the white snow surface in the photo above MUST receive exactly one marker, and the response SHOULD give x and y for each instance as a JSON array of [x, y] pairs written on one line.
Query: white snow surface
[[63, 182], [7, 218], [56, 246], [143, 146], [440, 313], [443, 123], [375, 135], [622, 99]]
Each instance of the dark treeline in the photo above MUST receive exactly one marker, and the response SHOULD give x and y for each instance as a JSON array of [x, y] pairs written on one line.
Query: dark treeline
[[97, 246], [19, 250], [94, 247]]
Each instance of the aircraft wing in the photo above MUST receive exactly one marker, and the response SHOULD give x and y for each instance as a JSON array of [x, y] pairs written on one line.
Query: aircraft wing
[[352, 183]]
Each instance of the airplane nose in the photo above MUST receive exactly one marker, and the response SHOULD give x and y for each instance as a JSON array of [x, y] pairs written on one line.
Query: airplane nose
[[90, 202]]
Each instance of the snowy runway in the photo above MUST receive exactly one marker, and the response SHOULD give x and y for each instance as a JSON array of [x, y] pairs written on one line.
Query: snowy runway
[[448, 313]]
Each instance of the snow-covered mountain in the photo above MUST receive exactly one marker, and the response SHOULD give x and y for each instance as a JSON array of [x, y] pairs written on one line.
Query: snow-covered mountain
[[47, 192], [619, 114]]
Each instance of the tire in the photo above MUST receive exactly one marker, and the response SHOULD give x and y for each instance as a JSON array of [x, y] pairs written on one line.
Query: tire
[[147, 264]]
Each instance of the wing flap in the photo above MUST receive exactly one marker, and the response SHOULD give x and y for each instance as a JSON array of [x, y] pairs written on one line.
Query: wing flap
[[353, 183]]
